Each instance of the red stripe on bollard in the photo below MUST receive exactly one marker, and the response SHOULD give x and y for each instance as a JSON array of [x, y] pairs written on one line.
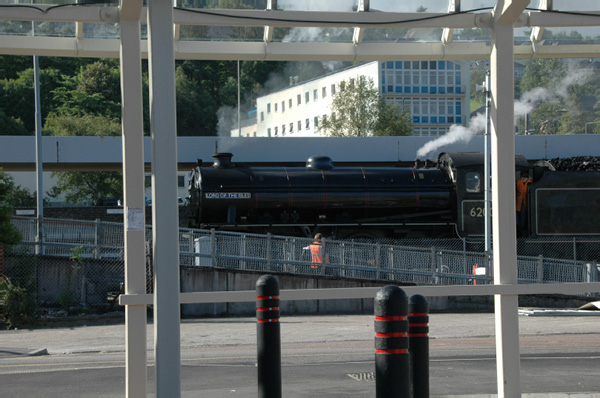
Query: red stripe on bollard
[[267, 297], [390, 318], [401, 334], [267, 320], [397, 351]]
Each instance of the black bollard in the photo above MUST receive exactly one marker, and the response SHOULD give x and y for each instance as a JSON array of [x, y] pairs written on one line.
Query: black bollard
[[268, 337], [418, 346], [391, 343]]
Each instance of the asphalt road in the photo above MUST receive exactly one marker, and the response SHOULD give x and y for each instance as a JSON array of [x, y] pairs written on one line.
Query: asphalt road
[[325, 356]]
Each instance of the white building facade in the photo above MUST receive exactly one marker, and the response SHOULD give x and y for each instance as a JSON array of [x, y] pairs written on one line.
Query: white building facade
[[436, 93]]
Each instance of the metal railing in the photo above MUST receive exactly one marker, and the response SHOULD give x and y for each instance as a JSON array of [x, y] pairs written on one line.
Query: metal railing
[[95, 251]]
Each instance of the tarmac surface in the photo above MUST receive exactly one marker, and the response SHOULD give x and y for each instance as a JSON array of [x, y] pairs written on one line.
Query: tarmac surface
[[219, 332], [294, 329]]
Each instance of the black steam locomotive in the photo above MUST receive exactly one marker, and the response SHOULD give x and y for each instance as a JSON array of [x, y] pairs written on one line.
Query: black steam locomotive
[[445, 199]]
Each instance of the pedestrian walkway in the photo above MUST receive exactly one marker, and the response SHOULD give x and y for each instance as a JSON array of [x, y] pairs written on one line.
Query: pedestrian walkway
[[208, 332]]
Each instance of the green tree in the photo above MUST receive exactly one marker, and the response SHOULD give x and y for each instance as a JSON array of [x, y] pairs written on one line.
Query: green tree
[[17, 98], [87, 187], [11, 126], [94, 90], [357, 110], [196, 109], [541, 73], [8, 233]]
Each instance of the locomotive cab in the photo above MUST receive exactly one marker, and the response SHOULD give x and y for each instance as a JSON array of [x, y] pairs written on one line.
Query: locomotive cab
[[467, 172]]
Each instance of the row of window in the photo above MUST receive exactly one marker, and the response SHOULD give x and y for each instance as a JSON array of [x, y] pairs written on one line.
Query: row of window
[[432, 110], [289, 129], [421, 82], [307, 98], [421, 65], [429, 131]]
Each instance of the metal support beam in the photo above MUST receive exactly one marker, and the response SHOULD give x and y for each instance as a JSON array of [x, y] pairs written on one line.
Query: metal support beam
[[506, 12], [268, 34], [165, 231], [453, 6], [538, 31], [503, 200], [357, 35], [133, 195]]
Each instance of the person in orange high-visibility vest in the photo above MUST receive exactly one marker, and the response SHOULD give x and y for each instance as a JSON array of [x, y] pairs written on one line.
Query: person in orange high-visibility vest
[[317, 252], [521, 204]]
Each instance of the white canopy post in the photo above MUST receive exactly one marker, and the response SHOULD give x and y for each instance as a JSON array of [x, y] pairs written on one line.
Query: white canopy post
[[503, 194], [165, 219], [133, 196]]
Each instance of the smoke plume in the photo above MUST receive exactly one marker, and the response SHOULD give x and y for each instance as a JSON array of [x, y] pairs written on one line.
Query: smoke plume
[[525, 105], [456, 133]]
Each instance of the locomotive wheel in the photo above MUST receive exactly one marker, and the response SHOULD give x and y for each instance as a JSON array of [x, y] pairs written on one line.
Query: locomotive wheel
[[362, 236]]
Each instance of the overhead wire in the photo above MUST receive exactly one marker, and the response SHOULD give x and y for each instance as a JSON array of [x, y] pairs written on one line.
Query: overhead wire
[[224, 13]]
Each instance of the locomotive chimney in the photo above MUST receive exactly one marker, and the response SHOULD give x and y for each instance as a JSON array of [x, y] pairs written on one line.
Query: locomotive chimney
[[222, 160]]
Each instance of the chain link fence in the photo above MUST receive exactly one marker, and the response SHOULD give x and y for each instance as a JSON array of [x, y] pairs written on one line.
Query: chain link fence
[[81, 262]]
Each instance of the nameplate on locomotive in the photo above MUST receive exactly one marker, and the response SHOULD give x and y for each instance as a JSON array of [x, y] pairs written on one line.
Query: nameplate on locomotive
[[227, 195]]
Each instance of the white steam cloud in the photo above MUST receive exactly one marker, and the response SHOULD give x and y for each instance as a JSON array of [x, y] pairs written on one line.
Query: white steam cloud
[[456, 133], [531, 99], [525, 105]]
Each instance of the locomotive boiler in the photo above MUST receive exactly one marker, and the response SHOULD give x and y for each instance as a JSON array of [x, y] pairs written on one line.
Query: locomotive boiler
[[444, 199], [340, 201]]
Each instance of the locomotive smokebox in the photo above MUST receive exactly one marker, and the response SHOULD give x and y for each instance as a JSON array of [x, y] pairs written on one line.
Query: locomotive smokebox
[[222, 160], [319, 163]]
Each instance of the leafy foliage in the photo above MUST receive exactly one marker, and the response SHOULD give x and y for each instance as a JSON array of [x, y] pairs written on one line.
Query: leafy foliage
[[88, 187], [357, 110], [8, 233], [17, 304]]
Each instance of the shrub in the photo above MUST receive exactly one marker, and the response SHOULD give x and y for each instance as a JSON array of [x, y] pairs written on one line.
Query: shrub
[[17, 306]]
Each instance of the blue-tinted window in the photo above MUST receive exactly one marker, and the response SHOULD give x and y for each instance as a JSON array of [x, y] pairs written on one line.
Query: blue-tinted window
[[383, 90], [382, 78], [442, 90], [424, 65], [424, 89], [432, 65], [442, 65], [406, 64], [458, 119], [415, 64], [450, 90], [390, 64], [458, 90], [383, 65], [450, 65], [458, 80], [398, 89], [425, 119], [398, 64], [442, 119], [416, 90], [432, 90], [416, 119], [434, 119], [458, 110], [407, 89]]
